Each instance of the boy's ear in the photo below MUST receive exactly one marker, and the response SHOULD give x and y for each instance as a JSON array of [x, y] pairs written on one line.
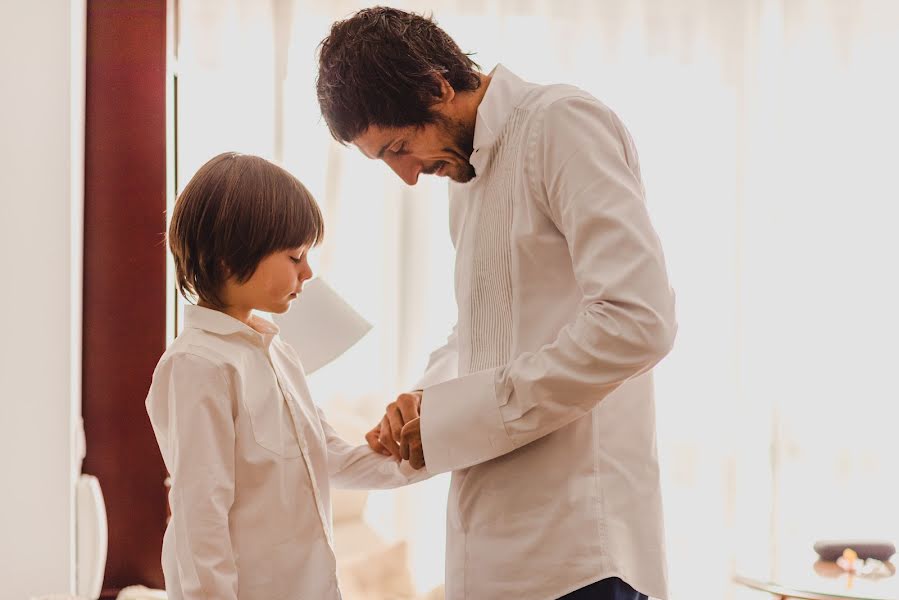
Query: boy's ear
[[225, 270]]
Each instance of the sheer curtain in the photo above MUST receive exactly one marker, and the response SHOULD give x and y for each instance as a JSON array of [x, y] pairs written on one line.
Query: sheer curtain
[[766, 132]]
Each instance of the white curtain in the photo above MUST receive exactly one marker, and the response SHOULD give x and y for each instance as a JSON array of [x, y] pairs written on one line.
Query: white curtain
[[766, 130]]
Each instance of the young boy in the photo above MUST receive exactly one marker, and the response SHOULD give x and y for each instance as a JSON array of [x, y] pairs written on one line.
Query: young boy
[[249, 454]]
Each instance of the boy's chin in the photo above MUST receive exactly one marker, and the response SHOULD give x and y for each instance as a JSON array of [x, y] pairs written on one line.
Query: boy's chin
[[281, 308]]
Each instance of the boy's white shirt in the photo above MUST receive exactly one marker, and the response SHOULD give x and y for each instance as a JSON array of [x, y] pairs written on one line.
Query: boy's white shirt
[[250, 458]]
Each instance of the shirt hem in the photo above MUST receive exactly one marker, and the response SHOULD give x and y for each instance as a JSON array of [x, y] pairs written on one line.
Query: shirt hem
[[593, 579]]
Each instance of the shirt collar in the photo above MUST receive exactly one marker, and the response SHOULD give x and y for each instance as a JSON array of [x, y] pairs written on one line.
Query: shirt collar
[[217, 322], [503, 95]]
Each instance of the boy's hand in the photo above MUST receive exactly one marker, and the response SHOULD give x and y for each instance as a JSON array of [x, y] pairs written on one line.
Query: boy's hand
[[373, 440], [385, 437], [410, 444]]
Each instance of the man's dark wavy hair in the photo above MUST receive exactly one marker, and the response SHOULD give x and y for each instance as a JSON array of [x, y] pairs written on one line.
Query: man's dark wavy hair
[[378, 68]]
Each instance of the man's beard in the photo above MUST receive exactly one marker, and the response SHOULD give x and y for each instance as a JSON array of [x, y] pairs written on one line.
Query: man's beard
[[461, 145]]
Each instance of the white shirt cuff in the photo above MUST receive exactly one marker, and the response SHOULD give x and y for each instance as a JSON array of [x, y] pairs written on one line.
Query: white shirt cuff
[[461, 424]]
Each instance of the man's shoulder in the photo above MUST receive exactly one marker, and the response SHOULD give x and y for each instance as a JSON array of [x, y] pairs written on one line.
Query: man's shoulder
[[557, 108], [542, 98]]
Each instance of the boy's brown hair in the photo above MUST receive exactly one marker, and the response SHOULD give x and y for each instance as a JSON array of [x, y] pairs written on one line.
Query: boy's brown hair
[[236, 210]]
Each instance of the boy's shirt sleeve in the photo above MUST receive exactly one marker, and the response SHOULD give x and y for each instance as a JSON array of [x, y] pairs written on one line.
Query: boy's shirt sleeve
[[361, 468], [190, 400], [358, 467]]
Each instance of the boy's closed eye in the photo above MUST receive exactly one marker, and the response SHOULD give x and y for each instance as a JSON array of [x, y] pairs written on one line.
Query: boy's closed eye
[[298, 255]]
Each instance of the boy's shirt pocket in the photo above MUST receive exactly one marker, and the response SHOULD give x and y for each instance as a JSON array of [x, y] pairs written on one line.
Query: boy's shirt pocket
[[270, 419]]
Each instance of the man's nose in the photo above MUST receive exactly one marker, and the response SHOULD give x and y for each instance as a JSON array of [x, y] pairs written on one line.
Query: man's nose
[[408, 170]]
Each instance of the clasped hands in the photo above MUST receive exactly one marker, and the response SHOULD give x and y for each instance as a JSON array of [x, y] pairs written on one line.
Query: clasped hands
[[399, 432]]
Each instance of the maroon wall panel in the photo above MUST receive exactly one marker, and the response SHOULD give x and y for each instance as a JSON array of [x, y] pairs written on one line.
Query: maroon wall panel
[[124, 276]]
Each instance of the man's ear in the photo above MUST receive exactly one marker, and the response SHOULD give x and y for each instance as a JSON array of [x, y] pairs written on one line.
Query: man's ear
[[447, 93]]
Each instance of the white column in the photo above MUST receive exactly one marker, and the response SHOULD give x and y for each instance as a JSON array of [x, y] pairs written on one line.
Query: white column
[[42, 61]]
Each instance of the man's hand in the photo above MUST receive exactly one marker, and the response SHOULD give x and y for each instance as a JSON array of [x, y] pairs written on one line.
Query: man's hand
[[386, 436], [410, 444]]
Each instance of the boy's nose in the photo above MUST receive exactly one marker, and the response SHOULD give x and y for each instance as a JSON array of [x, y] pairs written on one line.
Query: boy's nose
[[306, 272]]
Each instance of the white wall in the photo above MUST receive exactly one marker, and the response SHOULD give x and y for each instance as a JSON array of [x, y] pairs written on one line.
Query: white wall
[[41, 189]]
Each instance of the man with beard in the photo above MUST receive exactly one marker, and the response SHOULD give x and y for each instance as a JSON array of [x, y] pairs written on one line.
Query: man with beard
[[541, 401]]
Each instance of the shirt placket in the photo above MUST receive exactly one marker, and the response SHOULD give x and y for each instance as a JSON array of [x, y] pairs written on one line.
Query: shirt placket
[[304, 450], [463, 278]]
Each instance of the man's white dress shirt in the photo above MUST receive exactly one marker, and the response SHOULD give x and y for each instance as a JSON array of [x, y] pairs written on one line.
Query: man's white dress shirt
[[541, 402], [250, 458]]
